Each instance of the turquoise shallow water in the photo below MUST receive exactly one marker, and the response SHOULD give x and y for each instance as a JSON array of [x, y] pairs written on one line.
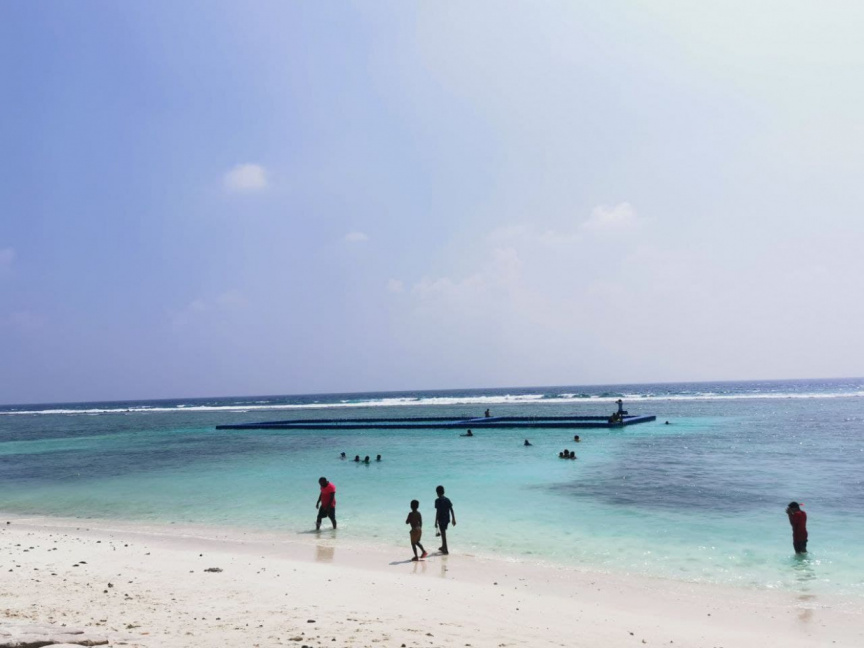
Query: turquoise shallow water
[[700, 499]]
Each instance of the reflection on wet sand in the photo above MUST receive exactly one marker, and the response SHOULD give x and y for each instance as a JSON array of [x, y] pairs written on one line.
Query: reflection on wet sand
[[805, 574], [443, 563], [323, 553]]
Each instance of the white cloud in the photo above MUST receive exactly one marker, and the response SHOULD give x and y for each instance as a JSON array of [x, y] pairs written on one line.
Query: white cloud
[[198, 306], [395, 286], [356, 237], [7, 258], [246, 178], [547, 297], [231, 300], [532, 264], [605, 218], [501, 272]]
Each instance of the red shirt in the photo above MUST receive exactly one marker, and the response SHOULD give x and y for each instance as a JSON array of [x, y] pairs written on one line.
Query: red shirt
[[798, 520], [328, 495]]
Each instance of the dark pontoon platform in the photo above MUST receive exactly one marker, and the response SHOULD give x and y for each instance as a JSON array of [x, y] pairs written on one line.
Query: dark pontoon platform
[[439, 422]]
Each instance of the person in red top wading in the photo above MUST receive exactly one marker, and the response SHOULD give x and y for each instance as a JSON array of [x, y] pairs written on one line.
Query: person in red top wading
[[326, 503], [798, 520]]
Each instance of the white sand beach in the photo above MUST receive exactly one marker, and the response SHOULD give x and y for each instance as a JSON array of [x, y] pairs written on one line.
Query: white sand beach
[[150, 586]]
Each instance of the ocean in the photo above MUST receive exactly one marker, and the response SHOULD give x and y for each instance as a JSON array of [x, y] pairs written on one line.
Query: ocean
[[700, 499]]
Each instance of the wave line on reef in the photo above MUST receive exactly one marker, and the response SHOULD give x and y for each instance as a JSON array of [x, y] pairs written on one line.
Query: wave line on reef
[[413, 401]]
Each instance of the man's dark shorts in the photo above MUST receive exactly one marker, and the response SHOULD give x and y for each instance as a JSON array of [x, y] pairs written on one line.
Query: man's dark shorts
[[443, 525], [327, 512], [800, 547]]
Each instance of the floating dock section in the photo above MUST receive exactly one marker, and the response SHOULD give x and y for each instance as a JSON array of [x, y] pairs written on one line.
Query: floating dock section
[[441, 422]]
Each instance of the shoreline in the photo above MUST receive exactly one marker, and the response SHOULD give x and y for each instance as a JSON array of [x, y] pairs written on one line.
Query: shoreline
[[296, 544], [58, 570]]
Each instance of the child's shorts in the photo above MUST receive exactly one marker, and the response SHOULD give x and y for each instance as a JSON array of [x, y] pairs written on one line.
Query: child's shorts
[[415, 535]]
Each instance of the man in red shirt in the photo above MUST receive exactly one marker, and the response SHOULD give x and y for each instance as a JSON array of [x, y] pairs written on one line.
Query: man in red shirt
[[798, 520], [326, 503]]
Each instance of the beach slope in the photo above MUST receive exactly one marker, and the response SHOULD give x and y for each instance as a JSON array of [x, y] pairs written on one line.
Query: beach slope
[[172, 587]]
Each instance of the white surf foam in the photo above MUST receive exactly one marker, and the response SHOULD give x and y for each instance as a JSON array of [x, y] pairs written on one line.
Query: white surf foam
[[413, 401]]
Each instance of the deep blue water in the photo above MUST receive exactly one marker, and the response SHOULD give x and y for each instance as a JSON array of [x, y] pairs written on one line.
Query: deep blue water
[[699, 499]]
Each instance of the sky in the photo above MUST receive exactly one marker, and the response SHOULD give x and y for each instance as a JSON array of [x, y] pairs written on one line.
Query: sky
[[221, 198]]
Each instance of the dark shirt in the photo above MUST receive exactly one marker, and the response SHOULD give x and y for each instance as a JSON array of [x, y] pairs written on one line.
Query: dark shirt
[[443, 506], [798, 520], [414, 519]]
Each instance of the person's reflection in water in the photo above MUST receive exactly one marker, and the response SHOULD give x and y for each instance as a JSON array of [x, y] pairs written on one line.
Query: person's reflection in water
[[323, 553], [804, 574], [444, 569], [802, 570]]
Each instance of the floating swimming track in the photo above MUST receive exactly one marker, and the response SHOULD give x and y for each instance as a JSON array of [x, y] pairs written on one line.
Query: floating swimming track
[[439, 422]]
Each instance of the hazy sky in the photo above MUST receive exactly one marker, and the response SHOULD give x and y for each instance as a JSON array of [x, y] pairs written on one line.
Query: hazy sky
[[228, 198]]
